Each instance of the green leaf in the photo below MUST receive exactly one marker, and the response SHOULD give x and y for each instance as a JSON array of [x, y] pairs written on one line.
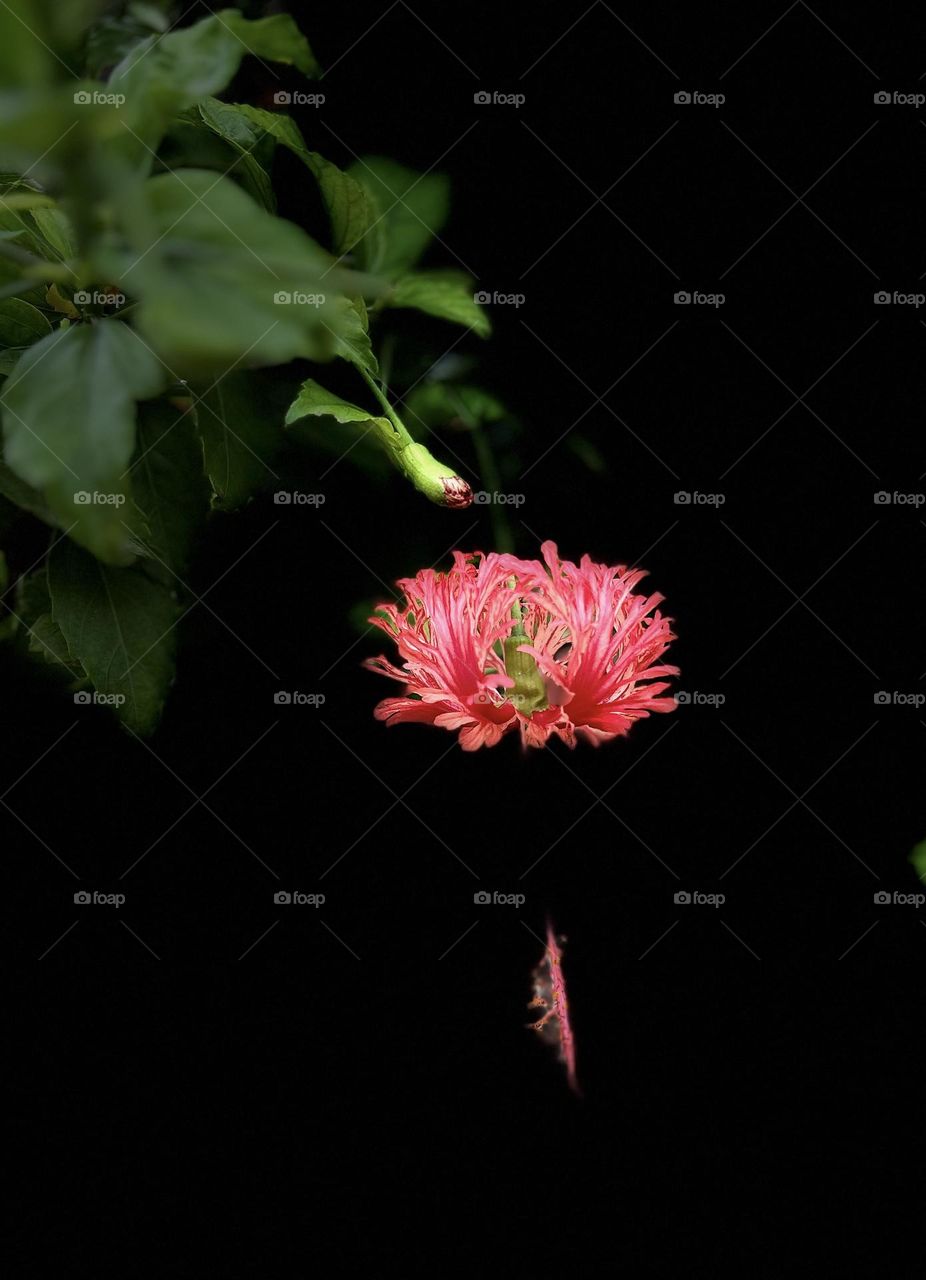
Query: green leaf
[[412, 209], [352, 334], [446, 294], [169, 486], [37, 628], [46, 639], [154, 15], [350, 207], [56, 230], [18, 236], [110, 39], [21, 324], [32, 598], [51, 136], [32, 32], [276, 38], [164, 75], [918, 858], [9, 275], [219, 279], [314, 401], [281, 127], [254, 148], [120, 625], [24, 496], [20, 230], [434, 479], [238, 423], [313, 419], [25, 58], [189, 144], [69, 427]]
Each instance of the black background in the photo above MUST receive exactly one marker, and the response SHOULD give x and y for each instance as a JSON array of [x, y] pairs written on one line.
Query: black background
[[379, 1041]]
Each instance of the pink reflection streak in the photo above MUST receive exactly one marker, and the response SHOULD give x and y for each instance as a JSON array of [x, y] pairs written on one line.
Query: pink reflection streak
[[550, 994]]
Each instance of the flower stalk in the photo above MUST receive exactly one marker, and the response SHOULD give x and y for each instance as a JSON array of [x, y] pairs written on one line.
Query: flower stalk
[[436, 480]]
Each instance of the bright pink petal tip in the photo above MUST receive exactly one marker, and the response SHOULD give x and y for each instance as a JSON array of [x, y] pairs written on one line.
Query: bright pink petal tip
[[594, 647], [550, 995]]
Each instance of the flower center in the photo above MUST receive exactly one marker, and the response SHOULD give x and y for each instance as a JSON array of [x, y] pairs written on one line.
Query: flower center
[[530, 691]]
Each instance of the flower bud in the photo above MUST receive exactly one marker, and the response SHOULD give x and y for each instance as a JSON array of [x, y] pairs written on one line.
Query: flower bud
[[434, 479]]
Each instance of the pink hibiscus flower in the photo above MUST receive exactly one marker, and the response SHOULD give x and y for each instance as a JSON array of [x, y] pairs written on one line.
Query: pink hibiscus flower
[[499, 643]]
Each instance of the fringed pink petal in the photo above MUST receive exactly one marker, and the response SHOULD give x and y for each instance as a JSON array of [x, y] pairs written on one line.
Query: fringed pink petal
[[596, 641]]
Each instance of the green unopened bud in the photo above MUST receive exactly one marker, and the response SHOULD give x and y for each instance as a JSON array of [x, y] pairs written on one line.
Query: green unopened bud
[[530, 690], [434, 479]]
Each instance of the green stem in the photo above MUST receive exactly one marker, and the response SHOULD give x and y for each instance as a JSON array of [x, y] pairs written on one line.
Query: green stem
[[398, 424]]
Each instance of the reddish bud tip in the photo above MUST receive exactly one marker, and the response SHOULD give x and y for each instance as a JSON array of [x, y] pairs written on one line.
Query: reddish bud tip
[[457, 493]]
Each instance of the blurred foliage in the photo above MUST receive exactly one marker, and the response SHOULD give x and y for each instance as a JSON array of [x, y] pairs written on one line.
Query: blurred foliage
[[147, 288], [164, 333]]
